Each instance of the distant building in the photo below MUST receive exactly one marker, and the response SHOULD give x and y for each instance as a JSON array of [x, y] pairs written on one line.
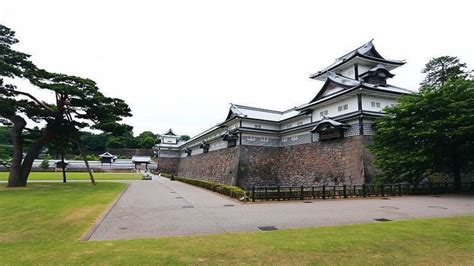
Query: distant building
[[322, 141], [141, 162], [107, 157], [169, 146]]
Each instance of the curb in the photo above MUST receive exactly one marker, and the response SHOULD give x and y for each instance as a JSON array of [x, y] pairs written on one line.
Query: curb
[[104, 215]]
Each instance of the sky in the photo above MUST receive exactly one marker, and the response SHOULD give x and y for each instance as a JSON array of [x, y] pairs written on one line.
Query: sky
[[179, 64]]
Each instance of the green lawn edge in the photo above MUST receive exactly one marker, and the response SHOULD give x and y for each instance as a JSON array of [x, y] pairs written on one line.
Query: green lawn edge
[[77, 176], [43, 224]]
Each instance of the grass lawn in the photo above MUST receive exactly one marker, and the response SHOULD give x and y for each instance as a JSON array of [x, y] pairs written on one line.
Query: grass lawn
[[76, 176], [42, 224]]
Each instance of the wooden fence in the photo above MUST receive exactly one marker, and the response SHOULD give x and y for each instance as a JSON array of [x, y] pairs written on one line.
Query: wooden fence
[[346, 191]]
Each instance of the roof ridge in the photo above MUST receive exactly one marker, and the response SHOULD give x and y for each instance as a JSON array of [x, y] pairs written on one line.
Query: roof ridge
[[257, 108], [357, 49]]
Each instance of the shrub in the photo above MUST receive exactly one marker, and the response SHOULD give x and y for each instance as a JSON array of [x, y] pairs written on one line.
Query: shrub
[[44, 164], [231, 191]]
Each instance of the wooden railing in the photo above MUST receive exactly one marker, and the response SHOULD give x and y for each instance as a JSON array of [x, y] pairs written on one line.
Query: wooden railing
[[353, 191]]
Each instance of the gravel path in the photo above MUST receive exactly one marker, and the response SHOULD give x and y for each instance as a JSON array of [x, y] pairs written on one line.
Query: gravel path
[[162, 208]]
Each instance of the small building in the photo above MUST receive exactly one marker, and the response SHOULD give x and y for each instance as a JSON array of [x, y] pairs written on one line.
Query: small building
[[169, 145], [141, 162], [107, 157]]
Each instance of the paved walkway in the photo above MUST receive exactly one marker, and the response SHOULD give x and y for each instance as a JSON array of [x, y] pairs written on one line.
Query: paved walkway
[[161, 208]]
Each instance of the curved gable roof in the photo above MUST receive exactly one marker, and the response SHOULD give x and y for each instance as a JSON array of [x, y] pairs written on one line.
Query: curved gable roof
[[366, 51]]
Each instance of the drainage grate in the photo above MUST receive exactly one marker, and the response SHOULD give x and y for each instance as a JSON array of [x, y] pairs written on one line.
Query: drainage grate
[[229, 205], [438, 207], [307, 202], [123, 227], [382, 220], [389, 207], [267, 228], [385, 198], [188, 207], [178, 197]]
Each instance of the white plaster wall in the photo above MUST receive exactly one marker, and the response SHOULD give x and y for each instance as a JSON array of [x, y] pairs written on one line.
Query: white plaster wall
[[362, 69], [169, 140], [251, 124], [220, 144], [348, 72], [333, 108], [294, 123], [384, 102]]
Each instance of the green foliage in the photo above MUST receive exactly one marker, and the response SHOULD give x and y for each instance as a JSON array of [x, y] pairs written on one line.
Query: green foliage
[[94, 142], [146, 140], [231, 191], [5, 136], [440, 69], [430, 131], [44, 164], [89, 157], [185, 137]]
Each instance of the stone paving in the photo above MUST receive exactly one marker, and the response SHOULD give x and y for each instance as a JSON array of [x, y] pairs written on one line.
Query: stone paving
[[162, 208]]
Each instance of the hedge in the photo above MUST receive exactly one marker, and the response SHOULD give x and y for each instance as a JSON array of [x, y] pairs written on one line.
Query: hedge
[[230, 191]]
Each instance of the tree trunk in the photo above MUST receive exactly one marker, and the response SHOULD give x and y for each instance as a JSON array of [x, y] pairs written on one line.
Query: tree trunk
[[33, 153], [63, 165], [84, 157], [14, 178]]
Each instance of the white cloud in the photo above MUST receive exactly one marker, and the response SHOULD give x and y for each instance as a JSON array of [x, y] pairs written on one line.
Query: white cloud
[[180, 63]]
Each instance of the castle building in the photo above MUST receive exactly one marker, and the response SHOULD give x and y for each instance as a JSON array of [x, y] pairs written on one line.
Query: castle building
[[323, 141]]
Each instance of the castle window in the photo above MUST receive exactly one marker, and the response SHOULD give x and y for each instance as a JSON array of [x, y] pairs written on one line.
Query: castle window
[[294, 138], [264, 139], [285, 139], [258, 126], [342, 107], [250, 138], [323, 113], [375, 104]]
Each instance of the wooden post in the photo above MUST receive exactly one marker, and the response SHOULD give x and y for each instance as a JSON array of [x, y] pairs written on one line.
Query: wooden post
[[266, 194], [301, 193], [363, 191], [344, 191], [334, 192], [278, 192], [324, 191], [312, 190], [445, 187], [253, 193], [399, 189], [382, 190]]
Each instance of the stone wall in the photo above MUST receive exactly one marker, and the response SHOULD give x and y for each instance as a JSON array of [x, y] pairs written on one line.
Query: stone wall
[[219, 165], [337, 162], [167, 165], [258, 166], [345, 161]]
